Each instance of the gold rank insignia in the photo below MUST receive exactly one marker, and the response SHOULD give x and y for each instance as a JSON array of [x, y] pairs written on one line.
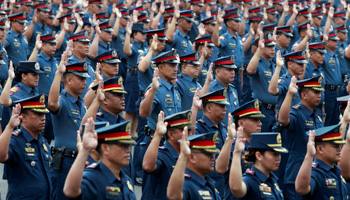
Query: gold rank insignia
[[120, 81], [279, 139], [45, 147], [189, 114], [320, 79], [224, 92], [130, 186], [167, 95], [184, 44]]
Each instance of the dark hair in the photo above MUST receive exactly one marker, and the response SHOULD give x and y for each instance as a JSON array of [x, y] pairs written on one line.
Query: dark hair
[[148, 39], [250, 157], [18, 75]]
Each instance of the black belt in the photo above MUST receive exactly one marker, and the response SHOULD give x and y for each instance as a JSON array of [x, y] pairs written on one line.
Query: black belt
[[66, 152], [332, 87], [344, 77], [148, 131], [269, 106], [133, 71]]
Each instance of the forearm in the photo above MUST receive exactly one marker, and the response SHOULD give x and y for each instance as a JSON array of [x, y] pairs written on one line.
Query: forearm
[[302, 182], [145, 62], [89, 97], [302, 44], [79, 28], [241, 30], [177, 178], [291, 20], [72, 186], [127, 48], [116, 28], [246, 44], [149, 163], [92, 111], [235, 180], [146, 104], [94, 47], [29, 32], [5, 99], [215, 37], [283, 116], [34, 54], [281, 21], [155, 21], [344, 162], [223, 159], [60, 39], [273, 86], [55, 92], [171, 30], [254, 62], [5, 139]]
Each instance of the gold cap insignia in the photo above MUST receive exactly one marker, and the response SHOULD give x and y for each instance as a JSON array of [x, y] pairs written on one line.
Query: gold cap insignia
[[120, 81], [130, 186], [224, 92], [42, 99], [189, 114], [128, 127], [279, 139], [320, 80], [215, 137], [256, 104]]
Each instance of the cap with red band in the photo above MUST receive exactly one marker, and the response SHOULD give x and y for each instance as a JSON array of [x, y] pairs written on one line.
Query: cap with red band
[[180, 120], [35, 103], [250, 109], [205, 142], [329, 134], [117, 133]]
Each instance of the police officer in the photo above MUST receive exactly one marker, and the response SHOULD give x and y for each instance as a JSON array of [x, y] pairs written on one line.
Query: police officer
[[105, 39], [16, 44], [247, 119], [300, 118], [295, 64], [103, 179], [259, 182], [205, 48], [333, 79], [225, 71], [159, 161], [305, 32], [37, 26], [320, 178], [261, 70], [230, 43], [67, 25], [109, 64], [283, 37], [67, 110], [180, 40], [81, 51], [94, 7], [133, 50], [27, 75], [25, 152], [187, 81], [196, 160]]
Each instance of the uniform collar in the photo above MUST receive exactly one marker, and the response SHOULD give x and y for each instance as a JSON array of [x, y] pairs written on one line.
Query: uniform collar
[[112, 119], [166, 84], [139, 45], [27, 136], [109, 175], [44, 56], [330, 53], [307, 111], [182, 34], [39, 24], [208, 122], [26, 88], [106, 46], [195, 177], [73, 57], [322, 165], [70, 97], [262, 177], [188, 78], [265, 62], [14, 33], [171, 149]]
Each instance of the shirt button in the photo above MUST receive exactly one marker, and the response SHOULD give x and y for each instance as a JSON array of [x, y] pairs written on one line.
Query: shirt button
[[75, 121], [169, 110], [47, 75], [32, 163], [17, 51]]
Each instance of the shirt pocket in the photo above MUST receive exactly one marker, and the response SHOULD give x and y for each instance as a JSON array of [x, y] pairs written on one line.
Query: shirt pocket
[[74, 116], [31, 160], [114, 195]]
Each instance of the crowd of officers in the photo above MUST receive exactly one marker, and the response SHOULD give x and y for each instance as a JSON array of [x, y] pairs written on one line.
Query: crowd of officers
[[225, 99]]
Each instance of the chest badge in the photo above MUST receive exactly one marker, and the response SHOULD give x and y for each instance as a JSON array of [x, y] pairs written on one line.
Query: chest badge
[[130, 186], [45, 147]]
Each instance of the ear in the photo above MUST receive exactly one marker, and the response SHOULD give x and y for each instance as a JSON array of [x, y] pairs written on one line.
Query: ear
[[191, 158], [105, 149], [258, 156], [240, 123], [319, 149], [23, 75]]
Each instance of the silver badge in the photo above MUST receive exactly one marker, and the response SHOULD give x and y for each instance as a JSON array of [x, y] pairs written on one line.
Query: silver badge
[[269, 36], [25, 15], [37, 66], [174, 52], [232, 58], [85, 66], [86, 34], [3, 54], [53, 33], [303, 53], [114, 53], [106, 14], [196, 56], [72, 15]]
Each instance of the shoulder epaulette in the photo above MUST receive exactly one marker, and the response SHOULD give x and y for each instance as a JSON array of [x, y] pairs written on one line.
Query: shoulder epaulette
[[162, 147], [187, 175], [99, 114], [93, 165], [201, 121], [16, 132], [250, 172], [13, 90], [296, 107], [314, 165]]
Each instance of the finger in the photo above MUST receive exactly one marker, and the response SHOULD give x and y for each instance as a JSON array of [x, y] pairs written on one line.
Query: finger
[[279, 54], [311, 135], [78, 136], [185, 133], [230, 121]]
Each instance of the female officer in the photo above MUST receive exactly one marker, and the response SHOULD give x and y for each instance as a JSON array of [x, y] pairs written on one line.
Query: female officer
[[259, 182]]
